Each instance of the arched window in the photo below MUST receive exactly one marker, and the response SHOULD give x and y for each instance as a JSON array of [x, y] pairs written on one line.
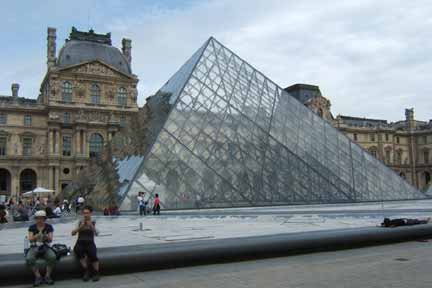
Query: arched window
[[427, 177], [388, 156], [398, 157], [122, 96], [28, 180], [96, 144], [373, 151], [67, 91], [95, 93]]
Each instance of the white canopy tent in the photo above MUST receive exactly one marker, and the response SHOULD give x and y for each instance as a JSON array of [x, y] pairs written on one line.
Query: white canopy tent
[[37, 190]]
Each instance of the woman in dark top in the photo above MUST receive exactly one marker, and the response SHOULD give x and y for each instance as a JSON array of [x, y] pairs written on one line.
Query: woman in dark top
[[85, 247]]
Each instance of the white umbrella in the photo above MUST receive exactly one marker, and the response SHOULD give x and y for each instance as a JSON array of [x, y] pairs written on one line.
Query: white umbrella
[[37, 190]]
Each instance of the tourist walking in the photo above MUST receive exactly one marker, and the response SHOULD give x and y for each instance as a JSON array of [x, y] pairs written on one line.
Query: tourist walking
[[85, 247], [40, 236], [156, 205]]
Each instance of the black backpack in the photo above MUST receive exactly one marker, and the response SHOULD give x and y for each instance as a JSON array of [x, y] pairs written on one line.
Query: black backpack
[[60, 250]]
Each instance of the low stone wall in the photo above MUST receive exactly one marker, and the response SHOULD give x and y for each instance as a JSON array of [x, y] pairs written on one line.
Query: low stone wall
[[161, 256]]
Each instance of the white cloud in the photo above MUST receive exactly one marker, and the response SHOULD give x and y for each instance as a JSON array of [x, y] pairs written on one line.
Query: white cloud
[[371, 58]]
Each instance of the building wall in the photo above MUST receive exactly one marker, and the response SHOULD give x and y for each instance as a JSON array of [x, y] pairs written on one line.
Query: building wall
[[405, 146], [54, 121]]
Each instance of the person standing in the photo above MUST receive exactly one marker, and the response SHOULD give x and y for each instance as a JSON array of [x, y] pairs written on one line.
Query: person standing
[[40, 236], [156, 205], [85, 247], [79, 203], [141, 203], [3, 214]]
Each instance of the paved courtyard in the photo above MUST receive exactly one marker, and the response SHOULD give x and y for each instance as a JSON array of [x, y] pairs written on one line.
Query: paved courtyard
[[397, 266], [175, 226]]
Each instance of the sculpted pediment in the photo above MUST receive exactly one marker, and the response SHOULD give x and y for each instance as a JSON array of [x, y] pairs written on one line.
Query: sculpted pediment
[[96, 68]]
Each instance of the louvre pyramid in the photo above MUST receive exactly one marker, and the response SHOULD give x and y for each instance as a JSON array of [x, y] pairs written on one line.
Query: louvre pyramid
[[232, 137]]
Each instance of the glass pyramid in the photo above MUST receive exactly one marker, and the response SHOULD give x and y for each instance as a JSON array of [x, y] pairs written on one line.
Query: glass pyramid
[[232, 137]]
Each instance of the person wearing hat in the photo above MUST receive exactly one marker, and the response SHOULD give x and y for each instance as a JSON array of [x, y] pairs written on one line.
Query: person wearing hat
[[40, 235]]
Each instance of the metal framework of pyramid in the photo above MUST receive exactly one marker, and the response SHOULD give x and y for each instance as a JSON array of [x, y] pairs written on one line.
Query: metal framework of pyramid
[[232, 137]]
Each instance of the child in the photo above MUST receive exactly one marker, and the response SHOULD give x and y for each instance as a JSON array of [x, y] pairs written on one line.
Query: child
[[156, 205], [85, 247]]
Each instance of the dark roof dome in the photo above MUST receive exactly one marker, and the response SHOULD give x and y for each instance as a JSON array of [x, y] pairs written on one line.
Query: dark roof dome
[[88, 46]]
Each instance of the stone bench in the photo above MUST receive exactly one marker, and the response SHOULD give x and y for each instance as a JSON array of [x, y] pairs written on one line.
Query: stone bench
[[128, 259]]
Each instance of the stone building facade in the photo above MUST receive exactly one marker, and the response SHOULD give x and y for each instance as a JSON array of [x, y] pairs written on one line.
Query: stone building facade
[[88, 93], [405, 146]]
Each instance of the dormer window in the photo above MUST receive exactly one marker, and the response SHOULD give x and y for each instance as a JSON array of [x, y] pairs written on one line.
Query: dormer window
[[95, 94], [67, 91]]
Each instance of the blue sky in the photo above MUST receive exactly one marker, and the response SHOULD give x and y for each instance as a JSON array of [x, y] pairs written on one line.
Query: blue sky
[[370, 58]]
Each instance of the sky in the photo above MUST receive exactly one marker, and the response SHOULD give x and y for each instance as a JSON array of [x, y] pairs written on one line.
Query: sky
[[370, 58]]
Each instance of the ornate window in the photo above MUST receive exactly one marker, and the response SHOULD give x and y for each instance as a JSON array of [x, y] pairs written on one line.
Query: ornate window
[[398, 157], [373, 151], [96, 144], [95, 93], [388, 156], [66, 118], [386, 137], [372, 137], [27, 146], [67, 145], [397, 139], [27, 120], [122, 96], [3, 118], [67, 91], [3, 146], [122, 121], [355, 137]]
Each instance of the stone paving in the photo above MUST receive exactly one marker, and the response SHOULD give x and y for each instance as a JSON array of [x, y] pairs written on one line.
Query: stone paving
[[202, 225], [396, 266]]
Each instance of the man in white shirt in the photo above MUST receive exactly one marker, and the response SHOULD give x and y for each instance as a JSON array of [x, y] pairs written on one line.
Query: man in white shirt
[[57, 211]]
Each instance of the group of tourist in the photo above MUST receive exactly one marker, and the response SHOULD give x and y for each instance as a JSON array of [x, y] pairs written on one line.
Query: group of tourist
[[40, 236], [27, 207], [143, 204]]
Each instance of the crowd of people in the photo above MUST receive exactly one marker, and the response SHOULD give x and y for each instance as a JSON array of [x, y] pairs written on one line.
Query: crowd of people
[[25, 208]]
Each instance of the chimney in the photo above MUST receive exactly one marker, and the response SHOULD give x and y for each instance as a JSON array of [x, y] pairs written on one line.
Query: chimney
[[51, 47], [409, 117], [15, 88], [127, 49]]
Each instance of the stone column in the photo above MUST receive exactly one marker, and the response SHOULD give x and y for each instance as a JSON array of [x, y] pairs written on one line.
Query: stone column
[[85, 148], [57, 146], [50, 177], [14, 182], [50, 142], [77, 142], [57, 180]]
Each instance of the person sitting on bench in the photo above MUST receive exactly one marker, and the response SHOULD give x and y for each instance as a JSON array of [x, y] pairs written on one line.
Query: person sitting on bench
[[40, 235], [403, 222]]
